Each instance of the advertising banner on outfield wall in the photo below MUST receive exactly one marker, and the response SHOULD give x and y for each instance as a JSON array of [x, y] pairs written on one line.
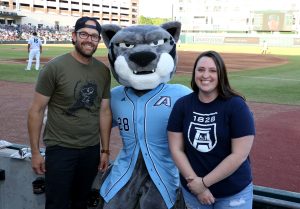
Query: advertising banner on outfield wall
[[242, 40]]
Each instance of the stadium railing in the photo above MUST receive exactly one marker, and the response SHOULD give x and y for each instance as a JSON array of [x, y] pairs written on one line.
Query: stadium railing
[[270, 198]]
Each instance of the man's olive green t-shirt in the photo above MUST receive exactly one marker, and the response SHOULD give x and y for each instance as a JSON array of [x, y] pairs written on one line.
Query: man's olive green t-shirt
[[75, 92]]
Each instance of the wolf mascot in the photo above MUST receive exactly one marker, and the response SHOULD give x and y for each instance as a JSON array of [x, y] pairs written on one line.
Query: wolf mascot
[[143, 59]]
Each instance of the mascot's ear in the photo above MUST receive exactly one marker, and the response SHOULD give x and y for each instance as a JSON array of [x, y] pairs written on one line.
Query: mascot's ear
[[108, 31], [174, 28]]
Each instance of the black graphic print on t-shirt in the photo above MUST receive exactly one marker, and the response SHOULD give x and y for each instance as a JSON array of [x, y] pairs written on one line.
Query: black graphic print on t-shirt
[[84, 95]]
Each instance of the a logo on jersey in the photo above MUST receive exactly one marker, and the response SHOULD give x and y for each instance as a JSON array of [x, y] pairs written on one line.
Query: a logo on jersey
[[163, 100]]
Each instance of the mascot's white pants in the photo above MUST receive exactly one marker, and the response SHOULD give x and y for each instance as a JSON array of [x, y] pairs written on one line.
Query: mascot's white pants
[[34, 53]]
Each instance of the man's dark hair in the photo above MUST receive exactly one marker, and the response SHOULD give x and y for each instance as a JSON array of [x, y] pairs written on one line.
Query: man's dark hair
[[81, 23]]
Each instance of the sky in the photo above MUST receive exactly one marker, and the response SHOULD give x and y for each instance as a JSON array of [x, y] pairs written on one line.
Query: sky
[[156, 8]]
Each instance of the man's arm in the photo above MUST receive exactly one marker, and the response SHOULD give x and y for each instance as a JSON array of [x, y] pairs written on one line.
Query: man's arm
[[105, 130], [28, 48], [34, 123]]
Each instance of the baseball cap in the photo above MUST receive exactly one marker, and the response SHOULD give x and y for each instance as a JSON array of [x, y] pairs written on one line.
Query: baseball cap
[[81, 23]]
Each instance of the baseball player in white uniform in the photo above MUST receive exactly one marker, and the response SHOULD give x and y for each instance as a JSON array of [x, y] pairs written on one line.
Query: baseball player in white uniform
[[34, 50]]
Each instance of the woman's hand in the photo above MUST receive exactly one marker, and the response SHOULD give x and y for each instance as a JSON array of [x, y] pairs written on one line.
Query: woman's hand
[[203, 194], [206, 197], [195, 185]]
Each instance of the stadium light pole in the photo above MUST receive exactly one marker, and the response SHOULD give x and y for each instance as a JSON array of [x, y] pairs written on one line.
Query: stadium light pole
[[172, 12]]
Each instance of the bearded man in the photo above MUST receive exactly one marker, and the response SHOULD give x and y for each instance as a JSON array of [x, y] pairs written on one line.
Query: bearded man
[[76, 88]]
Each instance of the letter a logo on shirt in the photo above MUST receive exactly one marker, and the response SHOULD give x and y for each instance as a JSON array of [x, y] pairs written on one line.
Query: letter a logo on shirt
[[164, 100], [202, 136]]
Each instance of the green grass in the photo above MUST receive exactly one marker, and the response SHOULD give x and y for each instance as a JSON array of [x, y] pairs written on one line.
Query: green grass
[[270, 85], [20, 51], [280, 85], [251, 49], [10, 72]]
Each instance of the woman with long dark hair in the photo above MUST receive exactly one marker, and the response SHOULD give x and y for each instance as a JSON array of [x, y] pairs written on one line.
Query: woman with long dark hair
[[211, 132]]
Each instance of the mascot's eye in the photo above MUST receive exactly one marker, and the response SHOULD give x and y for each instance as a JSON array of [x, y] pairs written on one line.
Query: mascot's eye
[[157, 43], [125, 45]]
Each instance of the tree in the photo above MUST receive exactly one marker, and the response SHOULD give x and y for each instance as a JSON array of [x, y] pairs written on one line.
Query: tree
[[152, 21]]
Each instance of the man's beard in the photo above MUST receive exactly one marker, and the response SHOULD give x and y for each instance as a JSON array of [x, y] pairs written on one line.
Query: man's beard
[[82, 53]]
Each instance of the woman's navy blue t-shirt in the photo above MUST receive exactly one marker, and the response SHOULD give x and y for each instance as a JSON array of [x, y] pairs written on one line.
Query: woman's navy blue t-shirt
[[208, 129]]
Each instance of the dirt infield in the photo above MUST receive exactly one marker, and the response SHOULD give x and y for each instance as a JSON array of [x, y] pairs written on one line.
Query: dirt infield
[[234, 61], [275, 156]]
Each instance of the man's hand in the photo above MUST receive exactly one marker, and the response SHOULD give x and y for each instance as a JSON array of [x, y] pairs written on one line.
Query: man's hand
[[104, 162], [38, 164]]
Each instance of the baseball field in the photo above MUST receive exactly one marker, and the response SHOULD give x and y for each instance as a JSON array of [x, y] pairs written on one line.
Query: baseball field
[[270, 83]]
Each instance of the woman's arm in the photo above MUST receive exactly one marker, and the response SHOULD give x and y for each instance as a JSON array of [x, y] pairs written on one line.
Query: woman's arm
[[176, 144], [240, 150]]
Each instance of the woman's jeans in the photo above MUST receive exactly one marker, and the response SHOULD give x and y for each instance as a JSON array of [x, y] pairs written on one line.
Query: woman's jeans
[[241, 200]]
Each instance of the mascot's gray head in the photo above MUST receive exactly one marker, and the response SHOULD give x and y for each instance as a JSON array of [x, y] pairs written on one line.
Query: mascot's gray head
[[142, 56]]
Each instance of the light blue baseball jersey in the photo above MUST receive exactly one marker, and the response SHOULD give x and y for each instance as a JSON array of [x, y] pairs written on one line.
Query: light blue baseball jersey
[[142, 124]]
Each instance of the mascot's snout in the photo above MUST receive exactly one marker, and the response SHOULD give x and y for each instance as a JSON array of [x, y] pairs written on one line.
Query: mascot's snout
[[142, 58]]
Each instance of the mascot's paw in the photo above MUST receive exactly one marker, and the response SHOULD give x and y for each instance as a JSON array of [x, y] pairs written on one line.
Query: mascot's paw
[[142, 56]]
